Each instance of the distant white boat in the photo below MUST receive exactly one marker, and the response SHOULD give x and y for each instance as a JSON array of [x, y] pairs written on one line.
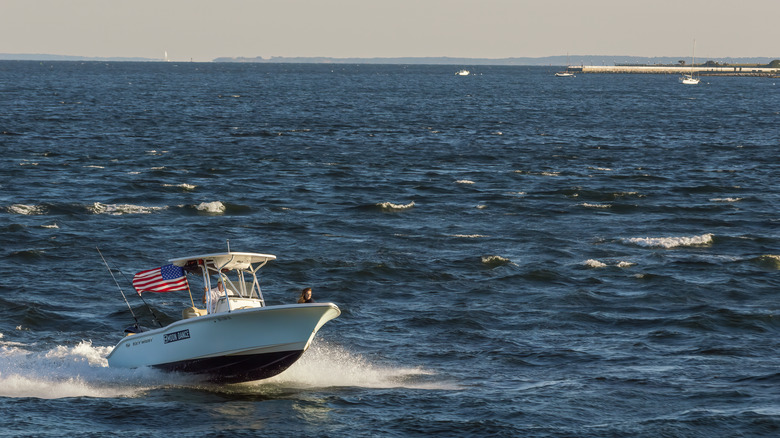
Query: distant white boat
[[566, 73], [462, 73], [690, 79]]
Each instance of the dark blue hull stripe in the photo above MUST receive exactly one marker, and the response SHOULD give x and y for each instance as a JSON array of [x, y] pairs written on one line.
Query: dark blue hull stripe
[[236, 369]]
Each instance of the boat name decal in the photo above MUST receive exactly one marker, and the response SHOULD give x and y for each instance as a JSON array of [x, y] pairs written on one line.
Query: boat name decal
[[144, 341], [176, 336]]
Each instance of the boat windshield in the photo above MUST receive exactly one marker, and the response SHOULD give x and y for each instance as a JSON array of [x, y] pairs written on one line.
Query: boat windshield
[[237, 271]]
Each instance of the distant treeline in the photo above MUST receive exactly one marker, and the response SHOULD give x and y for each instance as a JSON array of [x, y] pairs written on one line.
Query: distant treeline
[[573, 60], [547, 60], [773, 64]]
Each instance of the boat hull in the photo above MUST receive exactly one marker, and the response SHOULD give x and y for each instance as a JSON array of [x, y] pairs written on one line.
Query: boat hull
[[688, 80], [236, 368], [239, 346]]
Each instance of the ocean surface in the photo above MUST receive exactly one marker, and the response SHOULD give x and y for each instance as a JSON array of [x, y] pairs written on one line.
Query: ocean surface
[[514, 254]]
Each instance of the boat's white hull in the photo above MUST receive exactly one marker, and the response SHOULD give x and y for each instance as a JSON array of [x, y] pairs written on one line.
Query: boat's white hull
[[564, 75], [239, 346], [689, 80]]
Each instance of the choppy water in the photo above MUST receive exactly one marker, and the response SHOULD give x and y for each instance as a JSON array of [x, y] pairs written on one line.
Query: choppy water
[[514, 254]]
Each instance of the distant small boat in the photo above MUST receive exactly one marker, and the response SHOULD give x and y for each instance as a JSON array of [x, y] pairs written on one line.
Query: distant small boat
[[566, 73], [462, 73], [690, 79]]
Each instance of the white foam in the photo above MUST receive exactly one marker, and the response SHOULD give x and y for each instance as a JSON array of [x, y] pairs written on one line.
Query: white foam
[[670, 242], [770, 260], [468, 236], [76, 371], [82, 371], [725, 199], [54, 225], [594, 264], [464, 181], [325, 365], [588, 205], [184, 186], [28, 210], [391, 206], [543, 173], [215, 207], [495, 259], [591, 263], [120, 209]]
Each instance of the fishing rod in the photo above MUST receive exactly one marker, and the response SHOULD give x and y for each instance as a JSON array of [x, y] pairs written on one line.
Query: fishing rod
[[117, 285], [154, 316]]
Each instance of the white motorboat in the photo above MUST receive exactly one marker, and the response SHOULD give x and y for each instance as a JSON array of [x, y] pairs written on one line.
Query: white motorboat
[[238, 339], [462, 73]]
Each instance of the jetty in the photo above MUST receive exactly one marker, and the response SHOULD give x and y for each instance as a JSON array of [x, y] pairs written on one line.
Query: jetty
[[702, 70]]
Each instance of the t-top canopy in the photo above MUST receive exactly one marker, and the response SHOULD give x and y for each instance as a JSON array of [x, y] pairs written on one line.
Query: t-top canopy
[[226, 260]]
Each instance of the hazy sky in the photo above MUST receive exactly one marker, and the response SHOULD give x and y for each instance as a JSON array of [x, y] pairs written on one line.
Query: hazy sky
[[205, 29]]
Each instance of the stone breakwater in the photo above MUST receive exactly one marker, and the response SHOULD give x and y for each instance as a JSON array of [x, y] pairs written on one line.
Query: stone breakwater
[[700, 70]]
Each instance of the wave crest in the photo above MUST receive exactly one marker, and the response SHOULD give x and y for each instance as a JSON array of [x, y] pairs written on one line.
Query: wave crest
[[769, 260], [494, 261], [120, 209], [215, 207], [389, 206], [670, 242], [591, 263], [27, 210], [183, 186]]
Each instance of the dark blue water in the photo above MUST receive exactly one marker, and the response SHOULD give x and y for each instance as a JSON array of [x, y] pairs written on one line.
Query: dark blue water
[[514, 254]]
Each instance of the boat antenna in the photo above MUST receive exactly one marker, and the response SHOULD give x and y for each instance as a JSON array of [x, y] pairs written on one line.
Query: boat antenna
[[117, 285], [228, 244], [154, 316]]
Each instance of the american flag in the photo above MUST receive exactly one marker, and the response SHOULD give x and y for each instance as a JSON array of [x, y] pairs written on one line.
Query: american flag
[[164, 279]]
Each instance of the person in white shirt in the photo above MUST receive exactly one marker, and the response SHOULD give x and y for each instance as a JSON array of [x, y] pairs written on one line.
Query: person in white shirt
[[210, 297]]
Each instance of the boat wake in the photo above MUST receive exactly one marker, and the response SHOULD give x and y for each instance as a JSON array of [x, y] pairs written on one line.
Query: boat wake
[[82, 371], [69, 371], [326, 365]]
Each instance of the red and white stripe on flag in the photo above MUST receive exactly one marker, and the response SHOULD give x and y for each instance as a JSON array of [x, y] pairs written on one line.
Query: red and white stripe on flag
[[163, 279]]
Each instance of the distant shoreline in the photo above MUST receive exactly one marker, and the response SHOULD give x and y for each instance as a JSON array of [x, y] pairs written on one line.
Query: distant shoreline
[[737, 70], [560, 60]]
